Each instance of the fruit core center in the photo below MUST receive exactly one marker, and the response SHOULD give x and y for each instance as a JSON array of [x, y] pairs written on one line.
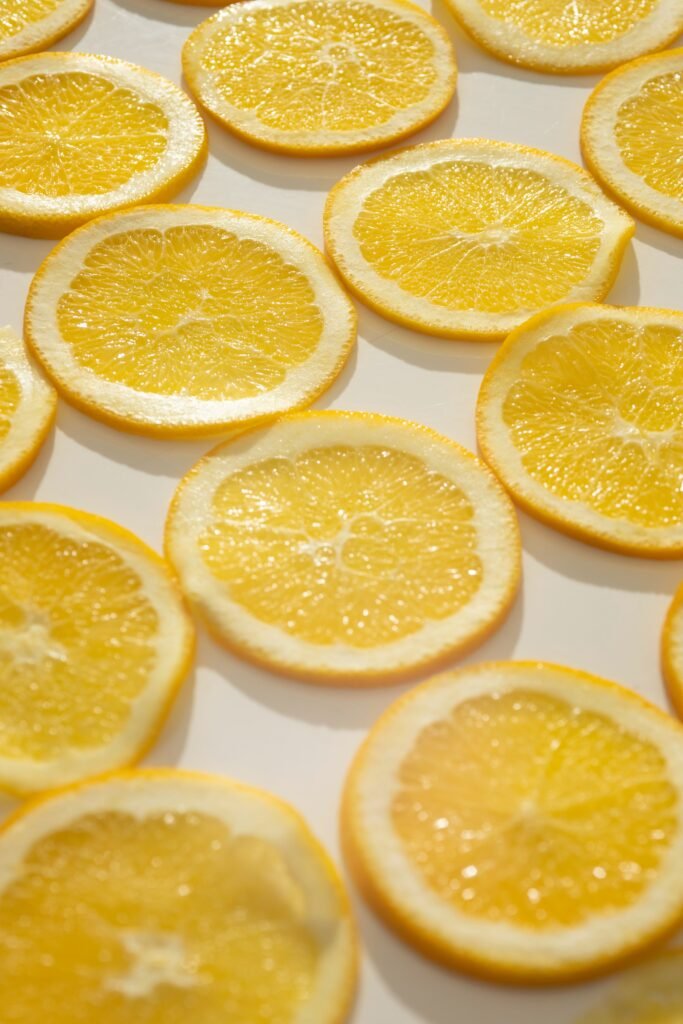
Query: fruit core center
[[155, 959], [338, 53], [32, 642]]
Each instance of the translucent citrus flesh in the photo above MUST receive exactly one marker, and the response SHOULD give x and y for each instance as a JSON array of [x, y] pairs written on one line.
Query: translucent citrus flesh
[[471, 236], [168, 917], [570, 22], [596, 416], [190, 310], [77, 642], [321, 64], [520, 807], [16, 15], [651, 994], [10, 397], [648, 131], [354, 545], [75, 134]]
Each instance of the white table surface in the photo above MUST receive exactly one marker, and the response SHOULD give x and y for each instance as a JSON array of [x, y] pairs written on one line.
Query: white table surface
[[579, 606]]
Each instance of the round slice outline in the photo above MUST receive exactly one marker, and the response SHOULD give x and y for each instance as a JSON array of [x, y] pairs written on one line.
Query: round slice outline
[[250, 808], [345, 203], [602, 154], [597, 529], [508, 43], [36, 36], [40, 216], [34, 417], [119, 405], [672, 651], [250, 129], [476, 948], [175, 642], [640, 990], [271, 648]]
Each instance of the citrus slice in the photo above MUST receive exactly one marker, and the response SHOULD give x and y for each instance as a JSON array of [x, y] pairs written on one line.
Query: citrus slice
[[321, 76], [188, 319], [467, 238], [94, 643], [29, 25], [521, 821], [580, 414], [174, 896], [27, 409], [345, 548], [631, 137], [672, 651], [569, 36], [81, 135], [651, 994]]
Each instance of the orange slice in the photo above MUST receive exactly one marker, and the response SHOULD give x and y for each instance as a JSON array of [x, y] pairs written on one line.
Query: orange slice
[[173, 895], [631, 137], [648, 994], [313, 77], [30, 25], [672, 651], [345, 548], [94, 644], [27, 409], [521, 821], [466, 238], [81, 135], [180, 320], [580, 415], [568, 37]]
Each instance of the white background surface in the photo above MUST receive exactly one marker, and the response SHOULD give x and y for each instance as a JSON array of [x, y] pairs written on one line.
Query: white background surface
[[580, 606]]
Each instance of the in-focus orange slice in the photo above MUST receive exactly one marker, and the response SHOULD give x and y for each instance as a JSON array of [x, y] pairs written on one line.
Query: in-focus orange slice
[[314, 77], [631, 137], [81, 135], [94, 644], [581, 416], [345, 548]]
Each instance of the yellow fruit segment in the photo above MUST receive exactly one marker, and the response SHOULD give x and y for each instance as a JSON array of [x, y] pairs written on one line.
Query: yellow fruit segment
[[589, 408], [29, 25], [76, 134], [344, 547], [648, 131], [84, 612], [27, 409], [570, 36], [475, 236], [466, 237], [378, 544], [630, 135], [672, 651], [171, 910], [82, 134], [366, 71], [188, 319], [74, 621], [14, 18], [624, 386], [341, 92], [649, 994], [567, 22], [508, 809], [531, 818], [10, 397], [194, 307]]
